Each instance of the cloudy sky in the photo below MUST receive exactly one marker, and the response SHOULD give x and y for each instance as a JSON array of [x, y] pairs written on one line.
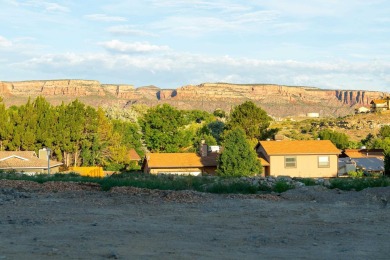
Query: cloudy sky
[[334, 44]]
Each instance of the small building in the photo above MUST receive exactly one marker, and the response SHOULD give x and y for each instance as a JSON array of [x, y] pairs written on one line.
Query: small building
[[370, 161], [305, 159], [179, 163], [313, 115], [362, 153], [27, 162], [378, 105], [362, 110]]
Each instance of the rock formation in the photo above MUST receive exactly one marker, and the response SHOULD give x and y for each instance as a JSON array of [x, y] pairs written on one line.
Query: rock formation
[[277, 100]]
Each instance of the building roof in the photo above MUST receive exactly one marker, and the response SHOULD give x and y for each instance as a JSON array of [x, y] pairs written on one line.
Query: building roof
[[263, 161], [370, 164], [299, 147], [24, 159], [180, 160], [364, 153], [378, 101], [134, 156]]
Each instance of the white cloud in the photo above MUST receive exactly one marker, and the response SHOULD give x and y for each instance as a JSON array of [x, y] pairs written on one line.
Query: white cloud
[[4, 42], [128, 30], [47, 6], [134, 47], [215, 6], [105, 18], [256, 17], [54, 7]]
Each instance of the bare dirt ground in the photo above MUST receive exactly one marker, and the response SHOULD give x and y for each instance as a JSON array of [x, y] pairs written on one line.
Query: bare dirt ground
[[77, 221]]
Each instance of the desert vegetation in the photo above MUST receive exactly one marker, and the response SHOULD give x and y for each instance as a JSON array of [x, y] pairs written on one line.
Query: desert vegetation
[[209, 184]]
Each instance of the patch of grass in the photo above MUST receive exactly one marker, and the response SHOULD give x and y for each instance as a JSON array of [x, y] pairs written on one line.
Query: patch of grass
[[282, 186], [359, 184]]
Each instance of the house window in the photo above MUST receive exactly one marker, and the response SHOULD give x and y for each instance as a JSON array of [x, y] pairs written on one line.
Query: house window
[[323, 161], [290, 162]]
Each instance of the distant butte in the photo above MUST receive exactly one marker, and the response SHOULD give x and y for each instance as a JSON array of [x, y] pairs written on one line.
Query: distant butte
[[277, 100]]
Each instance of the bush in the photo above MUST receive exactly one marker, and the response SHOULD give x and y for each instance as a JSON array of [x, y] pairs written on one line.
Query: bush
[[358, 184], [356, 174], [282, 186]]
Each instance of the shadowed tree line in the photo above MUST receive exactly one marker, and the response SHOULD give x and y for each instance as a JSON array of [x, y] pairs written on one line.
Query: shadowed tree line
[[76, 133]]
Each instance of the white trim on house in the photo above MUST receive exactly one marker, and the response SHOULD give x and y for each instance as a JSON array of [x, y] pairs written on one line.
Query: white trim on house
[[14, 156]]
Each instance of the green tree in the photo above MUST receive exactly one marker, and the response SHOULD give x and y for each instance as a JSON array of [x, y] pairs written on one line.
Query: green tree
[[238, 158], [130, 132], [5, 126], [341, 140], [252, 119], [163, 129]]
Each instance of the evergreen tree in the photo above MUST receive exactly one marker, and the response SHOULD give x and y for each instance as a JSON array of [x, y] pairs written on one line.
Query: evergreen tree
[[4, 126], [238, 158]]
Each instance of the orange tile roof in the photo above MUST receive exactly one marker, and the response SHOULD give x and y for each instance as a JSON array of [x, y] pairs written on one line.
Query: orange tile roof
[[23, 159], [299, 147], [177, 160], [357, 153], [134, 156], [379, 101]]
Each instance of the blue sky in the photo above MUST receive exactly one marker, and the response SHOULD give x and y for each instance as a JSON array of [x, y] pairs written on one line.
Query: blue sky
[[333, 44]]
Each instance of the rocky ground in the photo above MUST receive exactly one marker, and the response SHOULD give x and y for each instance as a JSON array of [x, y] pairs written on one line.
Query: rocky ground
[[78, 221]]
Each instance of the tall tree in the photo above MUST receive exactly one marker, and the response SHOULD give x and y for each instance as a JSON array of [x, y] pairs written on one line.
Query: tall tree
[[252, 119], [163, 129], [238, 158], [4, 125]]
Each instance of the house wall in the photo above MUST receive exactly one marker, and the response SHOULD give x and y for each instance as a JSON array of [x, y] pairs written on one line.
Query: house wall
[[306, 167], [35, 170], [184, 171]]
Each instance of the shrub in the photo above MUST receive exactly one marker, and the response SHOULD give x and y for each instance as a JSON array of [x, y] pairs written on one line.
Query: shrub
[[282, 186], [359, 183], [356, 174]]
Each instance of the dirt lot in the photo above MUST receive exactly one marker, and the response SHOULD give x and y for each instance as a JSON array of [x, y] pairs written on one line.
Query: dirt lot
[[75, 221]]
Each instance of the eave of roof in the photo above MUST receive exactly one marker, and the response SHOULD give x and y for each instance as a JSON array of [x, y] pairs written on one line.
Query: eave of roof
[[301, 147]]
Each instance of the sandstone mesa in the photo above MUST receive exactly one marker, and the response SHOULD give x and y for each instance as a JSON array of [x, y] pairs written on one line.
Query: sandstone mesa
[[277, 100]]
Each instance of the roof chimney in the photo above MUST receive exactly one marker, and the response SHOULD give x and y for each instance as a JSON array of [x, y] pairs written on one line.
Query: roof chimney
[[203, 148], [42, 154]]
